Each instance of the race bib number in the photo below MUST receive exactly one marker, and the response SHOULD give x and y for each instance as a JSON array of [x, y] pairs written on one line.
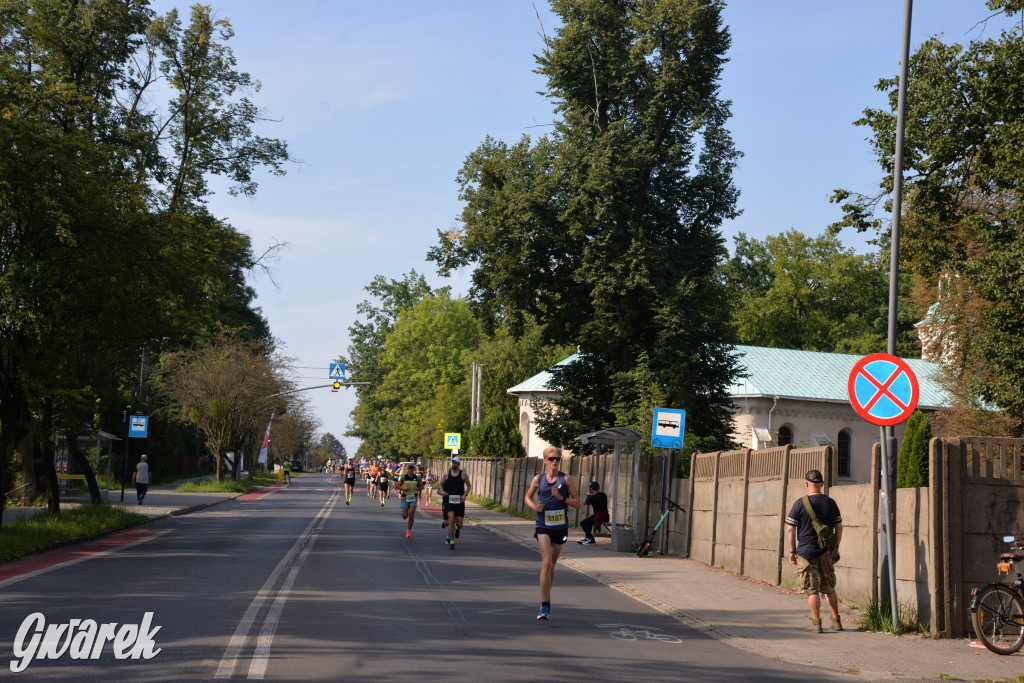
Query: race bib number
[[554, 517], [411, 497], [454, 499]]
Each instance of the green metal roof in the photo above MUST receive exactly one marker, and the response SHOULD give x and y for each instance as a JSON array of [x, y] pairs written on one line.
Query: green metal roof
[[787, 373], [539, 382], [819, 376]]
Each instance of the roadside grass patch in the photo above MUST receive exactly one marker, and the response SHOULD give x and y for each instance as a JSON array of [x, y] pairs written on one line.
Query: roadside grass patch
[[491, 505], [226, 486], [36, 534], [878, 617]]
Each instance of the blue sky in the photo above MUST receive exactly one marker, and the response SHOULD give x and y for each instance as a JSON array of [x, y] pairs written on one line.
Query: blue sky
[[382, 102]]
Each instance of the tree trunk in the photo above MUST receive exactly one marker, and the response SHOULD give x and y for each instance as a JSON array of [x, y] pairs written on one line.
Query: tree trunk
[[45, 454], [83, 464]]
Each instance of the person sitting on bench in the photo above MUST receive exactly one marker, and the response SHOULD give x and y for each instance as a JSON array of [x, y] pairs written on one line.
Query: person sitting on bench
[[599, 503]]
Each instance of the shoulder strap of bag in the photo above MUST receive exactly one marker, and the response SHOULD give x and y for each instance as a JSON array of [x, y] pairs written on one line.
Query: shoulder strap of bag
[[810, 512]]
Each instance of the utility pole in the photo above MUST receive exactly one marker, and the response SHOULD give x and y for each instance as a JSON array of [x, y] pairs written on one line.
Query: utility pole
[[887, 538]]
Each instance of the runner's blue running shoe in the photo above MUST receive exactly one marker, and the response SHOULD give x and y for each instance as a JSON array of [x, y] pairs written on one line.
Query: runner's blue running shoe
[[544, 612]]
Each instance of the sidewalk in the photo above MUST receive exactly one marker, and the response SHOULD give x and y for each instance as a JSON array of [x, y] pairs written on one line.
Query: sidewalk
[[759, 618], [161, 501]]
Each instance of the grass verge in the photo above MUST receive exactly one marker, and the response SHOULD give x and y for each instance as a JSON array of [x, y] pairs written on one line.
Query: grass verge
[[39, 533], [226, 486], [491, 505]]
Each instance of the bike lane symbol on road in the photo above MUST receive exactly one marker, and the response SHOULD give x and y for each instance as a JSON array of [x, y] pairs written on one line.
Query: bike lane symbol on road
[[883, 389]]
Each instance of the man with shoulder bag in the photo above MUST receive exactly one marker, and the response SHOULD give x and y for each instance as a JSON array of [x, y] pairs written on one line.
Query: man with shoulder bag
[[814, 530]]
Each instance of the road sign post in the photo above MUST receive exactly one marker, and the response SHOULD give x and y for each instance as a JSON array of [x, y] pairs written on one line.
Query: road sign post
[[884, 391]]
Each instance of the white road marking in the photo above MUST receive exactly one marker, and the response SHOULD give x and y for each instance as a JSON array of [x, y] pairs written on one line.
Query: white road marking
[[302, 545]]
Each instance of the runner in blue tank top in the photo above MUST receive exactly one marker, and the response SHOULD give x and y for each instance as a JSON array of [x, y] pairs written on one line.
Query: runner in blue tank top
[[556, 493]]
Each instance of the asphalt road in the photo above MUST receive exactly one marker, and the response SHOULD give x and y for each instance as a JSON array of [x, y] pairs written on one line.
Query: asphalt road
[[297, 585]]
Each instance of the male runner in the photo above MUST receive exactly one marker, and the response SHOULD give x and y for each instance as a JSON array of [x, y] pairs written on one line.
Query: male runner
[[409, 486], [350, 480], [555, 490], [287, 467], [454, 487]]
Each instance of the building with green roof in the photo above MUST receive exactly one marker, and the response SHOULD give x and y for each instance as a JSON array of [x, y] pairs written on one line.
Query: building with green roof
[[785, 396]]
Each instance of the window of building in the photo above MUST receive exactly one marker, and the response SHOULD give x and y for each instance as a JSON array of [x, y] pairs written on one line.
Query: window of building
[[785, 436], [843, 454]]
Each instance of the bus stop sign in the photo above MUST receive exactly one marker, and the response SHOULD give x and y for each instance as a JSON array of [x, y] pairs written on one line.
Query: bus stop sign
[[883, 389]]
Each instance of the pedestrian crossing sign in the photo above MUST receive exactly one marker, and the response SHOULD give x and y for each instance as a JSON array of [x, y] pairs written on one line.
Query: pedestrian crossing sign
[[452, 440], [337, 371]]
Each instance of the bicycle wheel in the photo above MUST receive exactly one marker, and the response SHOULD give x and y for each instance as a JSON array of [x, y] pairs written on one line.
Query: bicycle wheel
[[645, 545], [998, 619]]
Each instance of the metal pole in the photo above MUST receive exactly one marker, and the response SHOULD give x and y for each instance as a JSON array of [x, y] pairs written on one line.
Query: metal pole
[[636, 485], [472, 395], [124, 433], [888, 537], [615, 486]]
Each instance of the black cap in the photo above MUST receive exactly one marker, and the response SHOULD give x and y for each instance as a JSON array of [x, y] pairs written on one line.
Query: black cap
[[813, 476], [594, 486]]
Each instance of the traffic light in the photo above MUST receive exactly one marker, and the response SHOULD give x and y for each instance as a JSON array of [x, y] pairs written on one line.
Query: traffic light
[[336, 385]]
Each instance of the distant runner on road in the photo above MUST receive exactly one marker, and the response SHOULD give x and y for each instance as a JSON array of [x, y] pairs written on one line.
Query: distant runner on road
[[383, 484], [409, 487], [350, 480], [454, 487]]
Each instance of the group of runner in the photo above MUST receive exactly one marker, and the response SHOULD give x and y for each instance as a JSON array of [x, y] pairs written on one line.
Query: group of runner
[[414, 484], [549, 494]]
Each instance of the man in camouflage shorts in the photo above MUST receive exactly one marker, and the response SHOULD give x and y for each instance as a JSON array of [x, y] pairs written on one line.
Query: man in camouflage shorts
[[814, 567]]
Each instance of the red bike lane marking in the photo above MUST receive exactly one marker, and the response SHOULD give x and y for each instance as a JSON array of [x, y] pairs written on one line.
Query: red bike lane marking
[[262, 493], [39, 564]]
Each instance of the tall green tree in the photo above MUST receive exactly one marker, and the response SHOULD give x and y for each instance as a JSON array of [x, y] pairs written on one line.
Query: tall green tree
[[105, 245], [607, 230], [390, 298], [963, 221], [227, 389], [812, 293], [427, 360]]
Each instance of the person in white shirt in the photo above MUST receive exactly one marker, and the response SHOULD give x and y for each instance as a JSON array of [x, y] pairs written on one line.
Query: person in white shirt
[[141, 478]]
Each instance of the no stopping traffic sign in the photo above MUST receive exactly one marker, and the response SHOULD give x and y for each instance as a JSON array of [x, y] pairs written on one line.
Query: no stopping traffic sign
[[883, 389]]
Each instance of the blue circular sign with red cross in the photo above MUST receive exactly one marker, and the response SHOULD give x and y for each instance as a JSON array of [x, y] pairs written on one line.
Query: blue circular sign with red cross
[[883, 389]]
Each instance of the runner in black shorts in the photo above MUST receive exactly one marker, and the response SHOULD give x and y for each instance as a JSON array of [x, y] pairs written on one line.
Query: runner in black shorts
[[350, 480], [454, 487], [554, 490], [383, 481]]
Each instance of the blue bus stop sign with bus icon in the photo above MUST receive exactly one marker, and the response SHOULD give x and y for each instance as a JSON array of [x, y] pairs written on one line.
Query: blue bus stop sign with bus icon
[[667, 430], [138, 426], [883, 389]]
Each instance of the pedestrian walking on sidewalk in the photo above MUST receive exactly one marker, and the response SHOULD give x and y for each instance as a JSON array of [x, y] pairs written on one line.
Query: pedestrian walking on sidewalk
[[554, 490], [814, 566], [140, 477], [599, 503]]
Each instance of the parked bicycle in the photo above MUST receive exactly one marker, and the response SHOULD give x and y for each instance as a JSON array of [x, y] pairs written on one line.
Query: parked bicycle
[[645, 545], [997, 610]]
